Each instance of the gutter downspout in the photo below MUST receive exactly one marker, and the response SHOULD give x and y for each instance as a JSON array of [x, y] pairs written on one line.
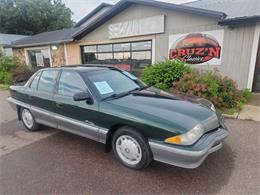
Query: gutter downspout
[[251, 71]]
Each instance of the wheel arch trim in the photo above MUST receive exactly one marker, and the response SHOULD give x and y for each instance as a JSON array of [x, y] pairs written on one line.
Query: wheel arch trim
[[109, 134]]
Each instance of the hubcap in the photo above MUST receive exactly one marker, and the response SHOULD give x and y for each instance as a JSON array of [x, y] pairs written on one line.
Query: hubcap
[[128, 150], [27, 118]]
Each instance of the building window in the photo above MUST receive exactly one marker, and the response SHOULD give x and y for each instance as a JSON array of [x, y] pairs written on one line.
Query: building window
[[122, 47], [130, 56], [144, 45], [105, 48], [39, 57]]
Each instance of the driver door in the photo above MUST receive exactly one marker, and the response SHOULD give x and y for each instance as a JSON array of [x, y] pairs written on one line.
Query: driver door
[[76, 117]]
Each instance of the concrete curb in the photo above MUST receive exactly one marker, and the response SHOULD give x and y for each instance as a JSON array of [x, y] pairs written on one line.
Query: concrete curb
[[234, 116]]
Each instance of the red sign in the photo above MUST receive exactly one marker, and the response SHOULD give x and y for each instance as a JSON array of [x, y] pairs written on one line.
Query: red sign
[[125, 67], [195, 48]]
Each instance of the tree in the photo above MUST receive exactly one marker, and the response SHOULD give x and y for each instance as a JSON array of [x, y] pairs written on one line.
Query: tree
[[30, 17]]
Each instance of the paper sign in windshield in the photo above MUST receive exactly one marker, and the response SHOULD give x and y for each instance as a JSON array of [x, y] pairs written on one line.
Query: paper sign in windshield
[[103, 87]]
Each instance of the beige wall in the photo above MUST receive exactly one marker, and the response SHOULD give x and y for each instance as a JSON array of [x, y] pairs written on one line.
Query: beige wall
[[237, 44], [73, 53], [174, 20], [236, 52]]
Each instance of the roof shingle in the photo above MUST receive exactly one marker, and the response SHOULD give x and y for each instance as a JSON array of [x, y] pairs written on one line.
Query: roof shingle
[[52, 37], [233, 8], [6, 39]]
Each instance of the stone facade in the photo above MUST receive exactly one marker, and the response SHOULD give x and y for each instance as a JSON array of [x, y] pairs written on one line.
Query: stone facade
[[20, 55], [58, 56]]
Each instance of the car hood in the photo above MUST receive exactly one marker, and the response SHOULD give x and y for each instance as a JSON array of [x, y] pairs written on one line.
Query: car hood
[[177, 113]]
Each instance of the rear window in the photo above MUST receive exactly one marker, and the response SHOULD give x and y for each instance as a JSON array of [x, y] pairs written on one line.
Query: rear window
[[47, 81], [34, 83]]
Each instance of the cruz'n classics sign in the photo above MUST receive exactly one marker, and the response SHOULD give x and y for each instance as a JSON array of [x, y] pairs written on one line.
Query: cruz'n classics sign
[[202, 48]]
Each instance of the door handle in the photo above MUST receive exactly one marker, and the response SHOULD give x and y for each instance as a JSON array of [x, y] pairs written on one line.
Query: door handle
[[58, 104], [30, 97]]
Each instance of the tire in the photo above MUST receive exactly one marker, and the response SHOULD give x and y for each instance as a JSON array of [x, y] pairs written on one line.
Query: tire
[[131, 148], [28, 120]]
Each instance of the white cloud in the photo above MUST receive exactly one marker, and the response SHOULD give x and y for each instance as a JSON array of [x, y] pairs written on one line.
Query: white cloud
[[80, 8]]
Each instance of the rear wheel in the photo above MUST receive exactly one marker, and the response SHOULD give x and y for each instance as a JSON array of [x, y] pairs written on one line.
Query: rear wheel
[[28, 119], [131, 148]]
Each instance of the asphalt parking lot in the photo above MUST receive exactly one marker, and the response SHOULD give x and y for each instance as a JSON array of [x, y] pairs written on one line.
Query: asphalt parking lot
[[51, 161]]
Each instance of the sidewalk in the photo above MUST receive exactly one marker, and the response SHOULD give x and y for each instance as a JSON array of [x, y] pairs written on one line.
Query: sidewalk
[[251, 111]]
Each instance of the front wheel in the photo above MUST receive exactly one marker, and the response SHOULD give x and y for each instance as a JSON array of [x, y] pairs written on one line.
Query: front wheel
[[131, 148], [28, 119]]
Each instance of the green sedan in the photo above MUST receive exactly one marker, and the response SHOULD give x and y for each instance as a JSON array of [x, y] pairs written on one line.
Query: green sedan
[[138, 123]]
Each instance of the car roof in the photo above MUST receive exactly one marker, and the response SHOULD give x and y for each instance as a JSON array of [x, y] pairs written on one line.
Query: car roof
[[83, 67]]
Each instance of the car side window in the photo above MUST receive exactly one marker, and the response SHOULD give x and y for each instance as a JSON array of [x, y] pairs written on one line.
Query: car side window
[[47, 81], [70, 83], [34, 83]]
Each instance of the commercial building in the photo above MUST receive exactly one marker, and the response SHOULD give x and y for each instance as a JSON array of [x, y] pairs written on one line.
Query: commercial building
[[132, 34]]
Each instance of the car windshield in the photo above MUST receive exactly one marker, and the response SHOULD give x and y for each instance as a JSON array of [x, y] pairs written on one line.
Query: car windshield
[[110, 83]]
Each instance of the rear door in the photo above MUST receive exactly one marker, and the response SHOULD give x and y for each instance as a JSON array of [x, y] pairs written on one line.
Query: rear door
[[42, 97], [30, 91], [76, 117]]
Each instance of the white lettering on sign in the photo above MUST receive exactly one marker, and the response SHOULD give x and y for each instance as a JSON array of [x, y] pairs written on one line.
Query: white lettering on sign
[[144, 26]]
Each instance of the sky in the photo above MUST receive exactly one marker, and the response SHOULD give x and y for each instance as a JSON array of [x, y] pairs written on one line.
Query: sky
[[80, 8]]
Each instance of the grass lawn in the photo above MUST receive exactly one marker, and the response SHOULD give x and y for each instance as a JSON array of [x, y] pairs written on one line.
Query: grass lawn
[[3, 87]]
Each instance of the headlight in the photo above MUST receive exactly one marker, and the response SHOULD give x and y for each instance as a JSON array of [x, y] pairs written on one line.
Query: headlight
[[212, 107], [187, 138]]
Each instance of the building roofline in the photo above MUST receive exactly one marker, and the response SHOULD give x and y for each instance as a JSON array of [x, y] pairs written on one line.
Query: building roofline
[[123, 4], [39, 44], [239, 21], [187, 3], [92, 13]]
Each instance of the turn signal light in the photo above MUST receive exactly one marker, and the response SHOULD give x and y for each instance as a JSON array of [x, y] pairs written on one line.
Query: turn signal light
[[174, 140], [187, 138]]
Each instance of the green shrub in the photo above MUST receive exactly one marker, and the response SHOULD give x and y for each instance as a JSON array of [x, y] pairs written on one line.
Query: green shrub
[[162, 74], [222, 91], [6, 65], [21, 73], [5, 78], [11, 71], [246, 93]]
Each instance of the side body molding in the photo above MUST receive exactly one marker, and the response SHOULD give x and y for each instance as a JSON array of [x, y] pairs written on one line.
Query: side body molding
[[54, 120]]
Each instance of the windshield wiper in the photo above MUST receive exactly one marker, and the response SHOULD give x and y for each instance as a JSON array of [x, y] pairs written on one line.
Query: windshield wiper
[[137, 89], [142, 88], [118, 95]]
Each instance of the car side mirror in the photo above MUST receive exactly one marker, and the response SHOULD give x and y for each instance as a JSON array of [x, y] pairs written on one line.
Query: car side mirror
[[83, 96]]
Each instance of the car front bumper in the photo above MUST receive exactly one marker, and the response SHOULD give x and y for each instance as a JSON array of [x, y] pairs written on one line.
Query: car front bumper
[[189, 156]]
